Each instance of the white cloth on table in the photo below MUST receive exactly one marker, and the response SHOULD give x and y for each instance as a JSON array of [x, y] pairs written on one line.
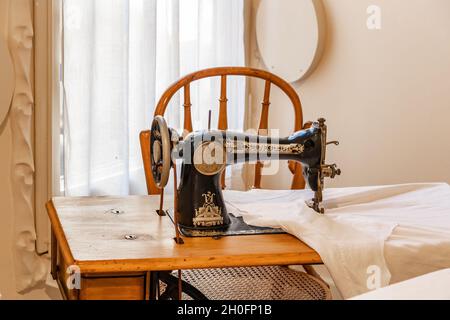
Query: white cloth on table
[[368, 237]]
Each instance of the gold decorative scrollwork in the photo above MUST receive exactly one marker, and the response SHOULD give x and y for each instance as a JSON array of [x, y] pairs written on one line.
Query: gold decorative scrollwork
[[233, 146], [209, 215]]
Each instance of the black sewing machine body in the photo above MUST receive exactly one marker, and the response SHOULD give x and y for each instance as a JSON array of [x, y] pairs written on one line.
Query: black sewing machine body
[[205, 155], [200, 199]]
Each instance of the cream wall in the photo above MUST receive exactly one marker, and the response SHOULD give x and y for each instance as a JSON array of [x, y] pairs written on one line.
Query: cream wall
[[385, 93]]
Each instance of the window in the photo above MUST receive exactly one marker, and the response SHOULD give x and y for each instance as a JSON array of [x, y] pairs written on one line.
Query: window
[[118, 58]]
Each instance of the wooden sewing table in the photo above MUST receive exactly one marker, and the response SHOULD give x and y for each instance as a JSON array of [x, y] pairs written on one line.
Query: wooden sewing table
[[90, 234]]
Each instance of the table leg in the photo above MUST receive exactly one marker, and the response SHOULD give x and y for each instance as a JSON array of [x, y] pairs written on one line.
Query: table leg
[[154, 285]]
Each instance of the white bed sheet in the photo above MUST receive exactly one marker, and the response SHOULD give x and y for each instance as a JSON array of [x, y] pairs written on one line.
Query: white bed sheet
[[369, 237], [432, 286]]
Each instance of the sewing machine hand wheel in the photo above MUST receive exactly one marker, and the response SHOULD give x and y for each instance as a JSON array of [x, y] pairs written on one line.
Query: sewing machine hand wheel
[[160, 146]]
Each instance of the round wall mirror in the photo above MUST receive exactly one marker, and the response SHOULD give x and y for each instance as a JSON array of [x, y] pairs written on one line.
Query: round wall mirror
[[290, 35]]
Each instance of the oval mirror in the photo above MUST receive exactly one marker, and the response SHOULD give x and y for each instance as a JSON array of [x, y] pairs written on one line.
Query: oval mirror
[[290, 35]]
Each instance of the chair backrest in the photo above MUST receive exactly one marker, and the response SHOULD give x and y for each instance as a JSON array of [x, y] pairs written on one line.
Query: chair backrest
[[224, 72]]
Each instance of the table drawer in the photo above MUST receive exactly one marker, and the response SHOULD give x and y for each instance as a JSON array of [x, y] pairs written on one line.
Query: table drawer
[[113, 288]]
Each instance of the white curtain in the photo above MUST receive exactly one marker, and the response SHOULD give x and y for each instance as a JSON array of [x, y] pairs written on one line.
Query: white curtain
[[119, 56]]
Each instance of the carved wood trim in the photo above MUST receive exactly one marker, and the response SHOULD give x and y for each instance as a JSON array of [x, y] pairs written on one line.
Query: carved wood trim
[[30, 269], [6, 80]]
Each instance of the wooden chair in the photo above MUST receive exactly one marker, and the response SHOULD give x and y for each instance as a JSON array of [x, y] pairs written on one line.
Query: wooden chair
[[225, 72]]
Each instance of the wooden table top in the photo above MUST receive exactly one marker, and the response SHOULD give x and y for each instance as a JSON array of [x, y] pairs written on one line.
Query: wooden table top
[[93, 237]]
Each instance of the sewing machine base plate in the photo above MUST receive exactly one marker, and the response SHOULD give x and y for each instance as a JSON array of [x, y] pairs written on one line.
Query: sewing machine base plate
[[238, 227]]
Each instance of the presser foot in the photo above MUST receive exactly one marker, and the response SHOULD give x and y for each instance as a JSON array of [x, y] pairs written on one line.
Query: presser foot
[[316, 206]]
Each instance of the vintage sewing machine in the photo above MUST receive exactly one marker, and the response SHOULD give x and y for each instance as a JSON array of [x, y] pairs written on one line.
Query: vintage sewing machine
[[205, 154]]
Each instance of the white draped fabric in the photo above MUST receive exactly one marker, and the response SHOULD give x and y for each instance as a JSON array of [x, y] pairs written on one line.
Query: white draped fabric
[[119, 56], [369, 237]]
